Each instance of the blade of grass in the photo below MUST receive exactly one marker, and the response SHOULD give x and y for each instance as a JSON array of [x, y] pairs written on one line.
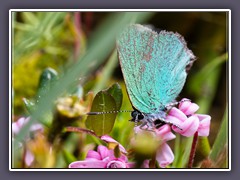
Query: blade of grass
[[106, 73], [222, 138]]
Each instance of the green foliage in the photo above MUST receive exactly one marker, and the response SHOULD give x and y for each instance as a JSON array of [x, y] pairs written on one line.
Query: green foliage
[[221, 141], [37, 45], [36, 31], [116, 92], [86, 61]]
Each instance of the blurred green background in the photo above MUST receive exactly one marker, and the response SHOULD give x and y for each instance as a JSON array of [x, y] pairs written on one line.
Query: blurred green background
[[64, 40]]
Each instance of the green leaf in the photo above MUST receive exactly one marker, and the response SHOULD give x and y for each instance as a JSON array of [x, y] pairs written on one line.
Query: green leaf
[[117, 152], [68, 157], [116, 92], [47, 78], [102, 124]]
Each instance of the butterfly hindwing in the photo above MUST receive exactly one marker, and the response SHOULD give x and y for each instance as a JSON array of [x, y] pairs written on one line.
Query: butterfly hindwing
[[153, 66]]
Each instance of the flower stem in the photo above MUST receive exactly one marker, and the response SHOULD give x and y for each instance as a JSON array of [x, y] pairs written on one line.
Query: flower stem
[[193, 150], [152, 163], [80, 130]]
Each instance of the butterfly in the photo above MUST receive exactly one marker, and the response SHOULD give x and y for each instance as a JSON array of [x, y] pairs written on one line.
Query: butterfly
[[154, 67]]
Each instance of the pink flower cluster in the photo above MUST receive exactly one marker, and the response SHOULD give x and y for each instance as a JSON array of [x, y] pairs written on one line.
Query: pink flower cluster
[[184, 116], [21, 122], [189, 122], [104, 157]]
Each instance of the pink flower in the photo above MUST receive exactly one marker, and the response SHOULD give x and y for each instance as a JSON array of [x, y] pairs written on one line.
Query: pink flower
[[188, 121], [204, 125], [16, 128], [109, 139], [164, 154], [188, 125], [104, 158], [29, 158], [164, 133], [187, 107], [20, 123], [145, 164]]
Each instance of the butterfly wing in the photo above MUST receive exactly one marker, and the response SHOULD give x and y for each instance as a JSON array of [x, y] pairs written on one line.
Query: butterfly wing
[[153, 65]]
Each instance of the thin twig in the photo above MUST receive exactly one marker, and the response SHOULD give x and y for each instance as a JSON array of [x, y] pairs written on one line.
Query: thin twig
[[77, 129]]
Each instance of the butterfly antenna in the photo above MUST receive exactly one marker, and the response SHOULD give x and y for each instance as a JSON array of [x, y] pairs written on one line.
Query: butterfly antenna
[[107, 112]]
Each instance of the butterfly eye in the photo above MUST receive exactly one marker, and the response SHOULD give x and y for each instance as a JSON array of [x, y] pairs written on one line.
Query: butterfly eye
[[137, 114], [134, 114]]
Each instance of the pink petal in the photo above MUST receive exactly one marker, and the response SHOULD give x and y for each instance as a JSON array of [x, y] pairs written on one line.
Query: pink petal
[[176, 116], [145, 164], [204, 126], [189, 127], [131, 165], [165, 133], [29, 157], [123, 158], [17, 126], [190, 110], [93, 154], [164, 155], [36, 127], [20, 123], [184, 104], [88, 164], [103, 151], [116, 164], [187, 107], [107, 138]]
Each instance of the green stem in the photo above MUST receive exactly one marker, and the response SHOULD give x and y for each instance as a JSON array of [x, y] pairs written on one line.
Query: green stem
[[177, 150]]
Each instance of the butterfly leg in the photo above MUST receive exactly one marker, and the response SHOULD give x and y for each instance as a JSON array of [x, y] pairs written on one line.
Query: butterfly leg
[[170, 123], [148, 123]]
